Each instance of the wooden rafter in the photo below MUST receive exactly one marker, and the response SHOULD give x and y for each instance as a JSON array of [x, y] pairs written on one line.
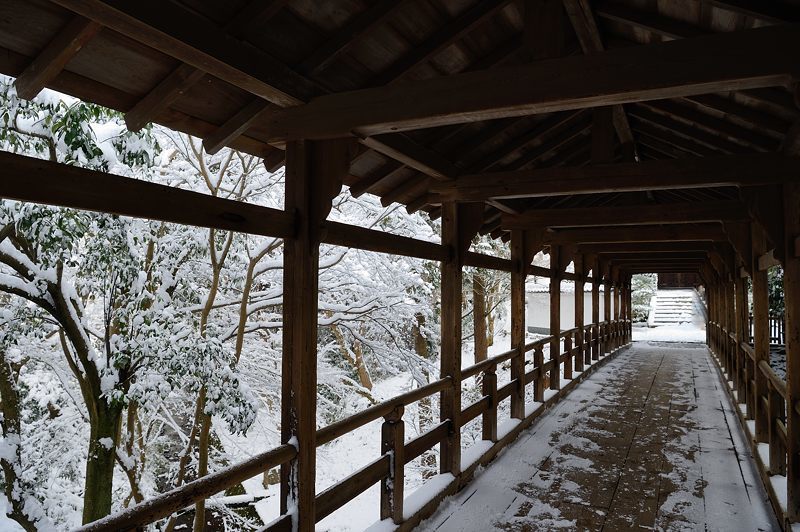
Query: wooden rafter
[[54, 57], [665, 233]]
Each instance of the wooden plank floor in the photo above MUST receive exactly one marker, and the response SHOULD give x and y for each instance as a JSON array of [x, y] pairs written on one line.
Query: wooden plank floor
[[649, 442]]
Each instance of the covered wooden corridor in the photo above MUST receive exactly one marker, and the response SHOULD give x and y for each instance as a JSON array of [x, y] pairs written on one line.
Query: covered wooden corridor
[[618, 137], [650, 441]]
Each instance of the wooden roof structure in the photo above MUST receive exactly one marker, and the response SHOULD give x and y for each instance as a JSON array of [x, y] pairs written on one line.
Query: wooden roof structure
[[714, 82], [625, 136]]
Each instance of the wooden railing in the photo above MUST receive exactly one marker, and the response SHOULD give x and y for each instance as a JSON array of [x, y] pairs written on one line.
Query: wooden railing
[[579, 350], [754, 384]]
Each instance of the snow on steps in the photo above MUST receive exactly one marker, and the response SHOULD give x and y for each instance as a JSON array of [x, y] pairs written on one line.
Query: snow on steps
[[672, 306]]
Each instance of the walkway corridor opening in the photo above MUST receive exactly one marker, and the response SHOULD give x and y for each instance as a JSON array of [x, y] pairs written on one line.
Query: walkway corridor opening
[[649, 441]]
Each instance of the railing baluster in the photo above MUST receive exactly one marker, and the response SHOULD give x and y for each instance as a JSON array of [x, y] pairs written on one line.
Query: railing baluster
[[538, 385], [568, 354], [777, 447], [392, 438], [489, 419]]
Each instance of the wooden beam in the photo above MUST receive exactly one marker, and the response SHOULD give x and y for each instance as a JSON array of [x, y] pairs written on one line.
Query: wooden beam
[[735, 170], [667, 233], [583, 22], [54, 57], [761, 57], [644, 247], [40, 181], [668, 213], [193, 39]]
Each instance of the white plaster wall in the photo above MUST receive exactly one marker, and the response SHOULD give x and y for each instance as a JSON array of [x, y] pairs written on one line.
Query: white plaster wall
[[537, 311]]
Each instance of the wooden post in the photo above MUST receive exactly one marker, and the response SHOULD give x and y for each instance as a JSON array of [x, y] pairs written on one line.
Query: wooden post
[[596, 276], [777, 412], [579, 336], [314, 173], [741, 318], [761, 333], [791, 290], [489, 420], [392, 438], [617, 341], [607, 348], [450, 402], [555, 316], [519, 269]]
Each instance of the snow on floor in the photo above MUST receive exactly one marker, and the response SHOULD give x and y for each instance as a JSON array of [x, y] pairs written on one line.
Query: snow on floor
[[650, 441], [684, 332]]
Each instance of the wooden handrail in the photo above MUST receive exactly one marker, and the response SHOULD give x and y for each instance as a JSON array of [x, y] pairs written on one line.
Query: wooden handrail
[[340, 428], [778, 383], [167, 503]]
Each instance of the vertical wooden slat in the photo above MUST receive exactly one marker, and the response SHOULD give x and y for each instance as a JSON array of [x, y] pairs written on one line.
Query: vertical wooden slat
[[450, 403], [555, 316], [761, 334], [392, 438], [538, 388], [489, 388], [617, 341], [314, 173], [791, 289]]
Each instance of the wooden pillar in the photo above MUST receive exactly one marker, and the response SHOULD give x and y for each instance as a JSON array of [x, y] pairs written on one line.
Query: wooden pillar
[[791, 290], [617, 342], [555, 316], [519, 269], [314, 173], [741, 319], [607, 312], [761, 334], [596, 276], [450, 402], [579, 300]]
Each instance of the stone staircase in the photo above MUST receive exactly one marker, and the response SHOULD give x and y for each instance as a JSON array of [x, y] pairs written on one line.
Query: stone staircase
[[672, 307]]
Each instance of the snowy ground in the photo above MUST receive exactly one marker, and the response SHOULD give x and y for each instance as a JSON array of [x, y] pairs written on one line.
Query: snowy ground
[[650, 441]]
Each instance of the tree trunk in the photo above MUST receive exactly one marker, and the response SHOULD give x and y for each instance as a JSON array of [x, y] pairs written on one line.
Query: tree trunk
[[105, 425], [9, 400], [479, 317]]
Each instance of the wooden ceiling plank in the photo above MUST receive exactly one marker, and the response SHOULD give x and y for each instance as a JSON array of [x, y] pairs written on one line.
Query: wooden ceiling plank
[[772, 12], [652, 23], [761, 57], [191, 38], [162, 96], [441, 39], [671, 213], [55, 56], [714, 125], [349, 35], [667, 136], [644, 247], [763, 122], [662, 121], [701, 172]]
